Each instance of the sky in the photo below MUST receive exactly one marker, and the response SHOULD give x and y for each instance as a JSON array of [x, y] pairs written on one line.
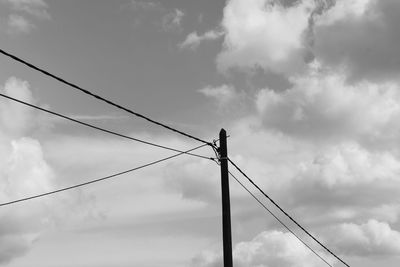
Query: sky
[[307, 90]]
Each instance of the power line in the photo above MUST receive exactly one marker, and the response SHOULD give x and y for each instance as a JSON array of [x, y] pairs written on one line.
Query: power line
[[287, 215], [97, 180], [279, 220], [99, 128], [87, 92]]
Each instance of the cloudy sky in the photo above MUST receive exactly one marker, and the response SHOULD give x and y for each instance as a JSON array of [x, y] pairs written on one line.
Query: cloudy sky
[[308, 91]]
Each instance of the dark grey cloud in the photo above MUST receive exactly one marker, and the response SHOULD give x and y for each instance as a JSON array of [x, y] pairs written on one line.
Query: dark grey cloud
[[367, 45]]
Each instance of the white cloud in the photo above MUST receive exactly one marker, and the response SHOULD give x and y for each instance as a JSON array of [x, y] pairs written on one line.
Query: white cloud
[[19, 24], [15, 118], [23, 13], [24, 172], [262, 33], [345, 182], [371, 238], [223, 94], [36, 8], [350, 168], [361, 35], [171, 22], [345, 10], [326, 148], [270, 248], [193, 40], [143, 4], [322, 105], [350, 165]]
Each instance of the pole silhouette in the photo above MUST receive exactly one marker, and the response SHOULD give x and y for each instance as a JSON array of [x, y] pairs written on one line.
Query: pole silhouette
[[226, 209]]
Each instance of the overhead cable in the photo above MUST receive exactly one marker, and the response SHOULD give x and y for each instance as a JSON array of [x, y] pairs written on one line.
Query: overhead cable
[[99, 128], [97, 180], [87, 92], [287, 215], [279, 220]]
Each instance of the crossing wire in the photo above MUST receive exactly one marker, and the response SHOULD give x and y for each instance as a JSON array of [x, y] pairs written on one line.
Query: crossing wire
[[98, 128], [87, 92], [279, 220], [97, 180], [287, 215]]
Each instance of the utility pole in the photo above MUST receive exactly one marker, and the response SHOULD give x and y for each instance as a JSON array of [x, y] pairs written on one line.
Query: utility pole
[[226, 206]]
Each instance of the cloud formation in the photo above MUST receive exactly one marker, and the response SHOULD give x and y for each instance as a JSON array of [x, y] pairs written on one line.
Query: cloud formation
[[283, 36], [36, 8], [371, 238], [19, 24], [269, 248], [24, 171], [171, 22], [15, 118], [362, 35], [193, 40], [321, 104], [223, 94], [154, 13], [22, 14], [262, 33]]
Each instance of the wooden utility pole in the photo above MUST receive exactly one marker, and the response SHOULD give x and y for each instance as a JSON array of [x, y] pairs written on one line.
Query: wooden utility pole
[[226, 207]]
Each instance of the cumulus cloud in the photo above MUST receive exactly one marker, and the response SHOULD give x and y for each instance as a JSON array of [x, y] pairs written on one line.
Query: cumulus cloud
[[326, 147], [282, 36], [23, 12], [345, 182], [171, 22], [193, 40], [270, 248], [323, 105], [143, 4], [24, 172], [341, 10], [223, 94], [19, 24], [15, 118], [266, 34], [371, 238], [154, 13], [350, 165], [36, 8]]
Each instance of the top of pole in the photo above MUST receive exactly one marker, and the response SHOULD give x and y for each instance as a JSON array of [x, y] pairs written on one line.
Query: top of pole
[[222, 135], [222, 143]]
